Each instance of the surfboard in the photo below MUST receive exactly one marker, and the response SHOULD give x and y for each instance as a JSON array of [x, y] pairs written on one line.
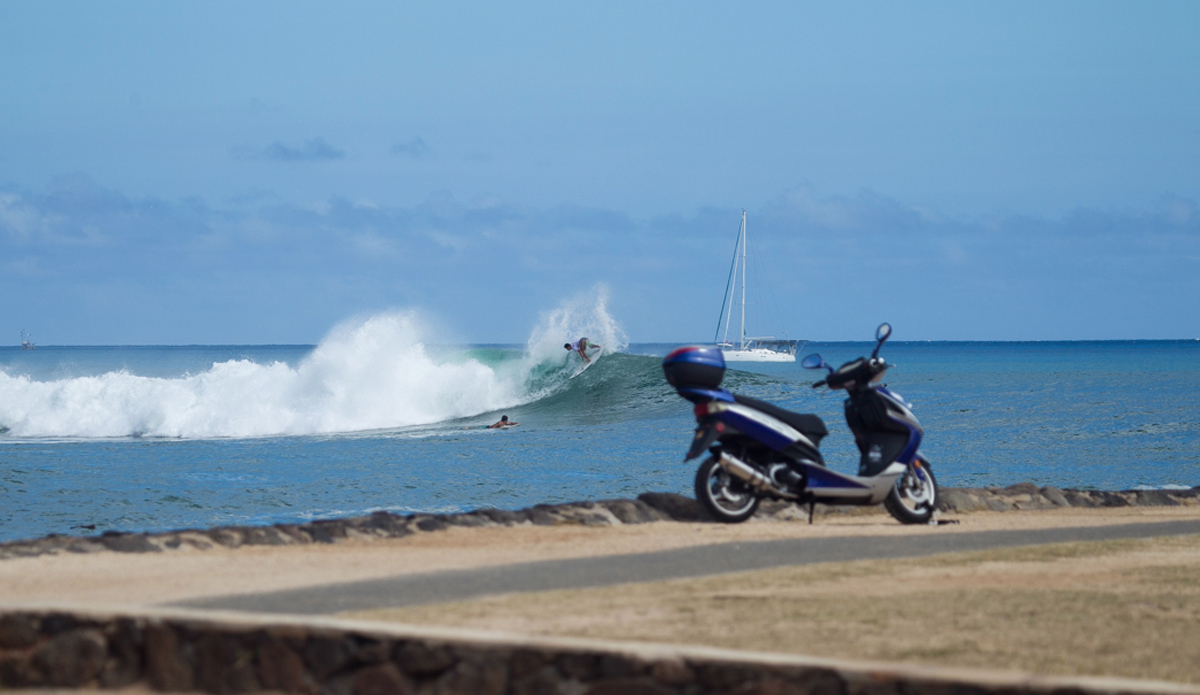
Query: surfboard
[[594, 357]]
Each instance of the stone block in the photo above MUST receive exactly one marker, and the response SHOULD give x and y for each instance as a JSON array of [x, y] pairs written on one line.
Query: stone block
[[628, 686], [264, 535], [478, 676], [1034, 503], [580, 667], [294, 533], [1055, 496], [168, 660], [469, 520], [996, 504], [325, 656], [422, 659], [504, 517], [128, 542], [725, 677], [1154, 498], [17, 671], [326, 530], [818, 682], [382, 679], [633, 511], [592, 519], [18, 631], [1019, 489], [224, 665], [373, 651], [227, 536], [954, 500], [544, 681], [672, 672], [676, 506], [125, 647], [432, 523], [1079, 498], [280, 667], [71, 659], [621, 666], [544, 515], [525, 662], [54, 623], [1111, 499]]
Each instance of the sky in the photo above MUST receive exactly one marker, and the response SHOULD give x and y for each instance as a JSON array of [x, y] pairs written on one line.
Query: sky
[[255, 173]]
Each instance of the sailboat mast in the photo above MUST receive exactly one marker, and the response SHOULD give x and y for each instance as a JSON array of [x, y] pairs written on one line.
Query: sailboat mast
[[743, 346]]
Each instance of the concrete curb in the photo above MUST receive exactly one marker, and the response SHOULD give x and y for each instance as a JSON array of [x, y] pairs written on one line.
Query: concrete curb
[[67, 646]]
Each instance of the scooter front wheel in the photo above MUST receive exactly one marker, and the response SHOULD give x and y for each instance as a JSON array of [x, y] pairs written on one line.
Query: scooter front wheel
[[727, 498], [914, 496]]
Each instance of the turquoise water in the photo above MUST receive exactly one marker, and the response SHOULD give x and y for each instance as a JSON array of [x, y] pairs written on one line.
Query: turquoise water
[[159, 438]]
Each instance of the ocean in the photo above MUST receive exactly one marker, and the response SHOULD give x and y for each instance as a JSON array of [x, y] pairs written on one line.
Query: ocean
[[148, 438]]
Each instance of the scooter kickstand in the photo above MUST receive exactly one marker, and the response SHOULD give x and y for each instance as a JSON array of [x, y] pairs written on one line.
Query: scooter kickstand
[[812, 507]]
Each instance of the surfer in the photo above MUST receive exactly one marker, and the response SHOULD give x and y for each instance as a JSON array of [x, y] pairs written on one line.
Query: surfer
[[581, 347], [502, 423]]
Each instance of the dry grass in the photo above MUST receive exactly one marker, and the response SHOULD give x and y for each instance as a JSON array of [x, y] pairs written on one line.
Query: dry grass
[[1120, 608]]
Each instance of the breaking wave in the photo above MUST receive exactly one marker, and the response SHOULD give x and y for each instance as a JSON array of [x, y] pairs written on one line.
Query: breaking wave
[[380, 372]]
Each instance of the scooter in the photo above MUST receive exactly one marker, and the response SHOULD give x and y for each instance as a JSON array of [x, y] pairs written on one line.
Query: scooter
[[761, 451]]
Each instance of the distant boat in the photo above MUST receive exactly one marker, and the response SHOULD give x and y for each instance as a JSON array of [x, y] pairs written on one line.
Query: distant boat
[[748, 349], [26, 343]]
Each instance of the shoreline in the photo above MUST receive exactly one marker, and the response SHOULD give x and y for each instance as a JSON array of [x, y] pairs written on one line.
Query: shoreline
[[134, 571], [646, 508]]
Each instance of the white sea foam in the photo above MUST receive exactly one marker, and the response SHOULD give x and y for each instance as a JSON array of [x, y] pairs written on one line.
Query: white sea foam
[[583, 316], [374, 373]]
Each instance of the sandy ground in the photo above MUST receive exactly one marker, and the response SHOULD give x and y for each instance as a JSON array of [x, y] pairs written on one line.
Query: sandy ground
[[109, 578], [1118, 608], [1126, 608]]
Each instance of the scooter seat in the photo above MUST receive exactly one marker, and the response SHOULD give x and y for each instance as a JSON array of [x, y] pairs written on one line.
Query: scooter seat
[[806, 423]]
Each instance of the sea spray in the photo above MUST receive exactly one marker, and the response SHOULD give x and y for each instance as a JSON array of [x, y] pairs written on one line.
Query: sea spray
[[374, 373], [582, 316]]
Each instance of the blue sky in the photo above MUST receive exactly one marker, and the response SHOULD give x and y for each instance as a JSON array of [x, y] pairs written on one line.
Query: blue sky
[[215, 172]]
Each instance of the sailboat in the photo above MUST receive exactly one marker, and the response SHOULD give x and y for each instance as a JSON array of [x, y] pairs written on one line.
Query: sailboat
[[748, 349]]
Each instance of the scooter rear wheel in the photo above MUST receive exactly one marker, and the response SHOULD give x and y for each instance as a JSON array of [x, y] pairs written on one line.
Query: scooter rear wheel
[[727, 498], [914, 497]]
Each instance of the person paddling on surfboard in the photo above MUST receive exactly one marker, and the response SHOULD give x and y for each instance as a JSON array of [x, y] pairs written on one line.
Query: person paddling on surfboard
[[581, 347], [503, 422]]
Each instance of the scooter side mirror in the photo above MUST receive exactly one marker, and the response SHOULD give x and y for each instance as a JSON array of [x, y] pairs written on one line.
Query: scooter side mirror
[[881, 334], [814, 361]]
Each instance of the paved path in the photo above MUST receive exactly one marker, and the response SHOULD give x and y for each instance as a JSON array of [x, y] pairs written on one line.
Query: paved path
[[698, 561]]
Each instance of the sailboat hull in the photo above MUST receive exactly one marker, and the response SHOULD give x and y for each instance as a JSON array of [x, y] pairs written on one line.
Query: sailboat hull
[[757, 355]]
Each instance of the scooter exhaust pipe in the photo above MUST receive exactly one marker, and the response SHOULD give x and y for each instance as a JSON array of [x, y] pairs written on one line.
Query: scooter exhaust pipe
[[752, 477]]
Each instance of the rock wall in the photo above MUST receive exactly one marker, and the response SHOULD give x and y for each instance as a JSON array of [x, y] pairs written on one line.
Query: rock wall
[[649, 506], [177, 651]]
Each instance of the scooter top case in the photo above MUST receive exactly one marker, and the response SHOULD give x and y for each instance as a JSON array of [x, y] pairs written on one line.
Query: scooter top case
[[696, 372]]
